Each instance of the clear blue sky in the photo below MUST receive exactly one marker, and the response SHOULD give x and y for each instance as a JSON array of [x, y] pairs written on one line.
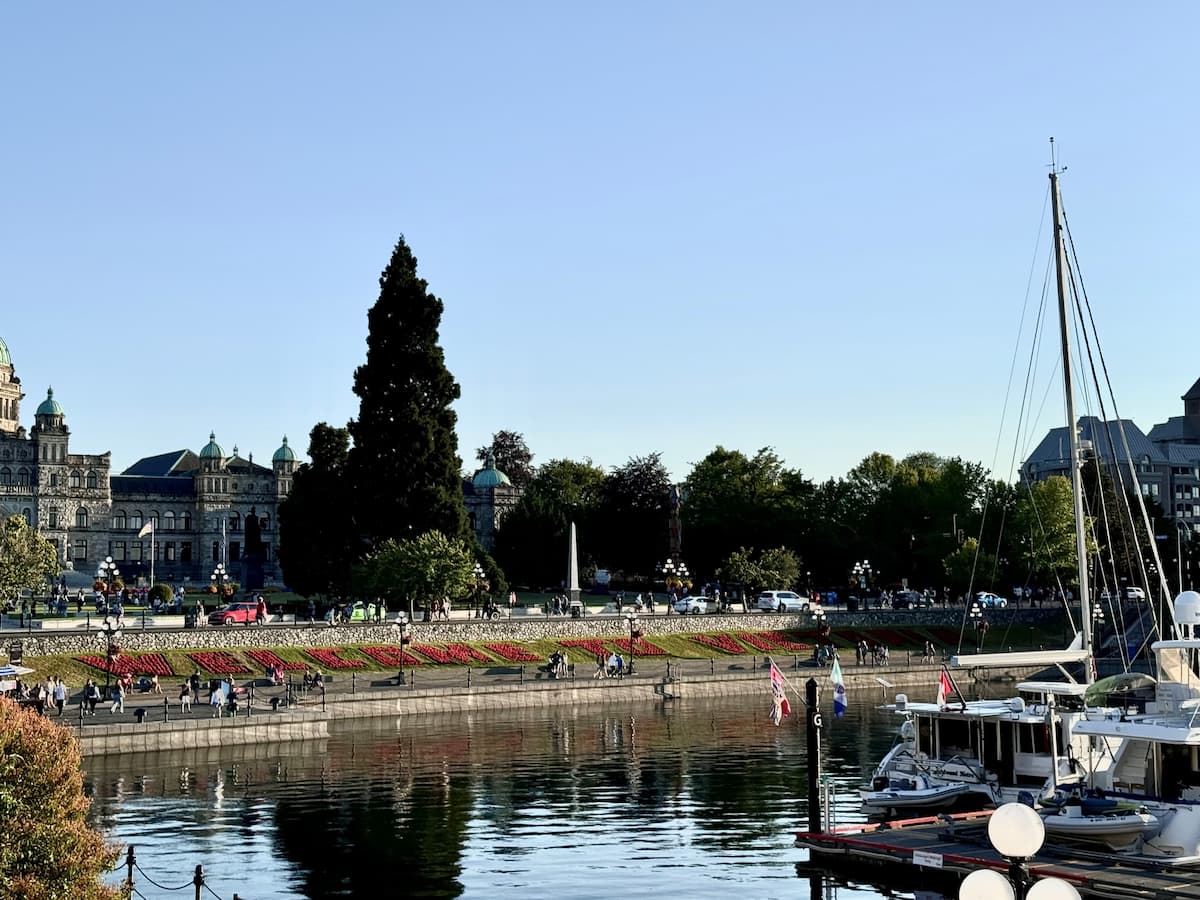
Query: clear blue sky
[[655, 226]]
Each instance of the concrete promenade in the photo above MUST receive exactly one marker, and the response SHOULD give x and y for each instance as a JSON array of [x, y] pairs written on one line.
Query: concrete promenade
[[315, 714]]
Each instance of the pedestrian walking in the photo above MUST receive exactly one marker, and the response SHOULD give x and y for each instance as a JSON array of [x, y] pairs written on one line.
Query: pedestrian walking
[[60, 695], [118, 696], [91, 696]]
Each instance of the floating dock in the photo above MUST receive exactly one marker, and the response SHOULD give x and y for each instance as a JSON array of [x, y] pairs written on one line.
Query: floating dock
[[939, 851]]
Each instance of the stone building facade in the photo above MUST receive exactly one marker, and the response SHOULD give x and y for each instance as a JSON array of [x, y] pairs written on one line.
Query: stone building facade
[[489, 496], [197, 503]]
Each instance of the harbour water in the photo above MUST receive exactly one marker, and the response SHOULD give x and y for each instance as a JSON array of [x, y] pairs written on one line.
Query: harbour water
[[698, 800]]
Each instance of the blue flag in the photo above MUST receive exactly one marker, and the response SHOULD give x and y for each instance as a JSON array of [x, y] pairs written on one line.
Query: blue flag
[[839, 689]]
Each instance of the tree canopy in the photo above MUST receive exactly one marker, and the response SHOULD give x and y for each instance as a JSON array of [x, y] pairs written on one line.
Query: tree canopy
[[404, 466], [427, 567], [48, 851], [318, 541], [26, 558], [512, 457]]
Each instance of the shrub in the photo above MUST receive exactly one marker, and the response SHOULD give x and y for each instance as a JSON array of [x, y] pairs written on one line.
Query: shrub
[[162, 592]]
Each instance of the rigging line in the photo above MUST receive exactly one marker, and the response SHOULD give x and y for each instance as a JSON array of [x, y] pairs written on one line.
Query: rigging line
[[1021, 443], [161, 887], [1164, 588], [136, 891], [211, 891]]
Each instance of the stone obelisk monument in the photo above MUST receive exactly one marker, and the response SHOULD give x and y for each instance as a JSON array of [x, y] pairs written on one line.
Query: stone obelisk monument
[[572, 568]]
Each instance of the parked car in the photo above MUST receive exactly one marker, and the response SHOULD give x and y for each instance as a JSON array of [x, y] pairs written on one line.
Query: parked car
[[690, 605], [911, 600], [1134, 593], [781, 602], [240, 613], [988, 600]]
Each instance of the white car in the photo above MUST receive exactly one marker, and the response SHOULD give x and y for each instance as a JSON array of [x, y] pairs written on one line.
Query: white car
[[690, 605], [781, 602]]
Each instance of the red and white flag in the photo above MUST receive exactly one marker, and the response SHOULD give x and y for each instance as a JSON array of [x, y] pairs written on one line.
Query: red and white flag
[[779, 703], [945, 687]]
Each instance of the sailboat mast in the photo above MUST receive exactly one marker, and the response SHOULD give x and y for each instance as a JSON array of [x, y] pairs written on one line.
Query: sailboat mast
[[1060, 263]]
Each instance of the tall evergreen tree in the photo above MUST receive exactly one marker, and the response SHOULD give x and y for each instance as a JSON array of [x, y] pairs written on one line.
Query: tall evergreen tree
[[404, 466], [318, 541]]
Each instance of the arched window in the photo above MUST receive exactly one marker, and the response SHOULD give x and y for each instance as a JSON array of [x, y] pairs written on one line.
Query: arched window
[[5, 475], [135, 520], [91, 479], [81, 517], [75, 480], [168, 521], [154, 519], [235, 522], [28, 514], [185, 521], [23, 476], [53, 515], [119, 521]]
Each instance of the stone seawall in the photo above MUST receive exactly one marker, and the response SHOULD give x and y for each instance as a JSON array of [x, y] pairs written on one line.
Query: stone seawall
[[136, 640]]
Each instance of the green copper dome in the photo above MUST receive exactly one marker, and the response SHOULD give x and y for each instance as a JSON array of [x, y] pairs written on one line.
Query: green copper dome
[[5, 359], [212, 450], [284, 453], [489, 475], [49, 406]]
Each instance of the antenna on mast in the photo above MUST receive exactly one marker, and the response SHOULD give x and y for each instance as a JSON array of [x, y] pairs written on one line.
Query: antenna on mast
[[1054, 169]]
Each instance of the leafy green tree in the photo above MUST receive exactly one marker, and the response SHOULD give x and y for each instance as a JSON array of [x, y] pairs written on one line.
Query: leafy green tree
[[1046, 513], [967, 567], [633, 516], [512, 457], [532, 544], [427, 567], [26, 558], [318, 541], [48, 851], [404, 466], [777, 569]]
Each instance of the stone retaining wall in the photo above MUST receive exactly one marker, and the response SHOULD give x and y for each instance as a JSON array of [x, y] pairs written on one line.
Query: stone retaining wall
[[136, 640]]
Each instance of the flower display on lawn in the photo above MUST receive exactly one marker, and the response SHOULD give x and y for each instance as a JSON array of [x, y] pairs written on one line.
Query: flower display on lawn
[[783, 642], [722, 642], [512, 652], [270, 659], [644, 647], [391, 656], [465, 653], [437, 654], [757, 641], [219, 662], [593, 646], [143, 664], [331, 658]]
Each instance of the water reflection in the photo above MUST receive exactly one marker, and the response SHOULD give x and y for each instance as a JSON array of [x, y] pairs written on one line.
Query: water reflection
[[682, 799]]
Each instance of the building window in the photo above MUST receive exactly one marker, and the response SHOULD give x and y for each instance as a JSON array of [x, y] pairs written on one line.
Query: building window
[[23, 477], [119, 521], [135, 551], [216, 554], [92, 481], [5, 475], [168, 521], [75, 482], [185, 552], [154, 520], [135, 520], [169, 551], [52, 515], [81, 517], [53, 479], [116, 549], [265, 523], [28, 514], [185, 521], [80, 552], [235, 522], [235, 551]]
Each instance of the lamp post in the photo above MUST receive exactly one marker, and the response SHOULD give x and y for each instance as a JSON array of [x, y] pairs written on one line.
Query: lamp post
[[477, 575], [219, 579], [1097, 621], [110, 631], [1017, 833], [976, 616], [108, 572], [634, 634], [673, 571]]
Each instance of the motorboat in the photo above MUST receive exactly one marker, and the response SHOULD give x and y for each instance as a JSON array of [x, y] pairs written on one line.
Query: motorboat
[[1117, 829], [891, 795]]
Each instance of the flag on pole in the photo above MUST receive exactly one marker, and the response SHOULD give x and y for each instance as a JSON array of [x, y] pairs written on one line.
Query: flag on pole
[[779, 703], [945, 689], [839, 689], [148, 528]]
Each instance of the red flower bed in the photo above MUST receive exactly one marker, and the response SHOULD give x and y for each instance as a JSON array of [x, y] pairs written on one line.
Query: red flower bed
[[513, 652], [722, 642], [145, 664], [593, 646], [437, 654], [219, 662], [757, 641], [268, 659], [783, 642], [644, 647], [392, 656], [465, 654], [329, 658]]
